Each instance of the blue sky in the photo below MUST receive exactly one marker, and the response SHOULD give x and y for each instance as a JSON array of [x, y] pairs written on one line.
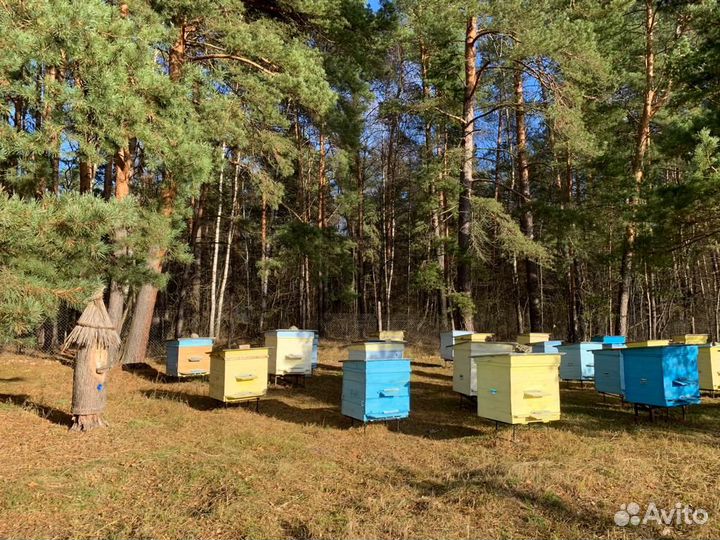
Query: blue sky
[[374, 4]]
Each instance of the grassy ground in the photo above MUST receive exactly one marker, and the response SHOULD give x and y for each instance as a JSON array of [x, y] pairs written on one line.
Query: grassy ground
[[175, 465]]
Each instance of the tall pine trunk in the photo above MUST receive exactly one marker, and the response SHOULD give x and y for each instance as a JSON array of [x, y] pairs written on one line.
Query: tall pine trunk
[[464, 266], [642, 142], [527, 224], [139, 334], [216, 247]]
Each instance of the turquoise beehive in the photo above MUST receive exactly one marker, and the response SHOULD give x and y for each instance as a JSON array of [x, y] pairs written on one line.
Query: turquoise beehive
[[661, 376], [609, 340], [374, 388], [577, 363]]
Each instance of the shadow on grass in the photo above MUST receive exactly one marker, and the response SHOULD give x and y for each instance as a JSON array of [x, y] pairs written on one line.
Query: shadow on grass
[[149, 373], [46, 412], [198, 402], [586, 414], [494, 481], [436, 412]]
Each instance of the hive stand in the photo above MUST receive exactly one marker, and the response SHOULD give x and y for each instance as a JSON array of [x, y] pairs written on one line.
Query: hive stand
[[639, 406]]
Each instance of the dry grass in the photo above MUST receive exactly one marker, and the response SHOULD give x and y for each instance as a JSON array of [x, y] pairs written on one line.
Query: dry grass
[[175, 465]]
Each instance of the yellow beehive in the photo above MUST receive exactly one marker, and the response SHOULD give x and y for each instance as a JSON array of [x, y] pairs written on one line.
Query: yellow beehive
[[692, 339], [709, 368], [532, 337], [464, 380], [238, 374], [391, 335], [518, 388], [649, 343], [474, 338]]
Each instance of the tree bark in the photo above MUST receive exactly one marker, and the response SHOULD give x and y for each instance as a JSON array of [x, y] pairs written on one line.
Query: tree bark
[[464, 267], [216, 247], [87, 176], [90, 376], [439, 247], [526, 215], [139, 334], [263, 265], [642, 142], [228, 251]]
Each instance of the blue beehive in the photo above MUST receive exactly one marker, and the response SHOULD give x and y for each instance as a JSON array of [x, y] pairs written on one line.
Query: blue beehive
[[609, 340], [577, 363], [662, 376], [546, 347], [609, 371], [377, 389]]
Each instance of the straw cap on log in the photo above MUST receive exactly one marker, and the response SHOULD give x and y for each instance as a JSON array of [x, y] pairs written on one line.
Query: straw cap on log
[[94, 327]]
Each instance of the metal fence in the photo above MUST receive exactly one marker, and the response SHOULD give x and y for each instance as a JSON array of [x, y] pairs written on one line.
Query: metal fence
[[50, 336]]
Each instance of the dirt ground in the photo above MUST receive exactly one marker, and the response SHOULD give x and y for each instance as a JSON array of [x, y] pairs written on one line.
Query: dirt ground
[[175, 464]]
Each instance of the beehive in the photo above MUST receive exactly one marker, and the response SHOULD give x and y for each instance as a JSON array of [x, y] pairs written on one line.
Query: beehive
[[377, 350], [662, 376], [546, 347], [188, 357], [649, 343], [532, 338], [238, 374], [315, 348], [609, 340], [577, 363], [691, 339], [518, 388], [447, 340], [376, 390], [391, 335], [609, 374], [709, 367], [464, 379], [290, 352]]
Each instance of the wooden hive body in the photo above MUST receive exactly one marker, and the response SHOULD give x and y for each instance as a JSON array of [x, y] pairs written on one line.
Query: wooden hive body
[[648, 343], [609, 371], [290, 351], [662, 376], [316, 349], [546, 346], [464, 378], [188, 357], [377, 350], [238, 374], [518, 388], [709, 367], [532, 338], [447, 341], [609, 340], [376, 390], [577, 362], [391, 335], [691, 339]]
